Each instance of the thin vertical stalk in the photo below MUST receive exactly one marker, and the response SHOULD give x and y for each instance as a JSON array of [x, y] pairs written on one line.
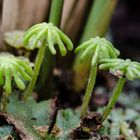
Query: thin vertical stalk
[[45, 78], [90, 85], [99, 18], [56, 11], [116, 93], [37, 66]]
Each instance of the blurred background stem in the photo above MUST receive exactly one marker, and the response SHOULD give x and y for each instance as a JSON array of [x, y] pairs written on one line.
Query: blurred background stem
[[44, 84], [97, 25], [3, 104]]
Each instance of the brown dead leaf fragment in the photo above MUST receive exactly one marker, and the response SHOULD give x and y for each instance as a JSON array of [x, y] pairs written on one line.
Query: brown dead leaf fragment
[[42, 130], [53, 115], [18, 125], [91, 122], [55, 131], [78, 133], [7, 138], [105, 138], [88, 128]]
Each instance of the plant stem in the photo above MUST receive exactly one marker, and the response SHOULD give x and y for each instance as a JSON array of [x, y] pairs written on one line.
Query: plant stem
[[3, 104], [91, 83], [56, 11], [97, 25], [37, 66], [46, 73], [116, 92], [99, 18]]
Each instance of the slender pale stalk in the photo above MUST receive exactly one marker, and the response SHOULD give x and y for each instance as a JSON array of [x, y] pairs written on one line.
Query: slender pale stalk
[[45, 78], [37, 66], [116, 93], [91, 83], [3, 104]]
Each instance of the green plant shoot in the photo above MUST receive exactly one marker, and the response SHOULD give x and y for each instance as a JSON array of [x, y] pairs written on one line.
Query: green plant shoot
[[123, 69], [41, 36], [98, 48], [13, 68]]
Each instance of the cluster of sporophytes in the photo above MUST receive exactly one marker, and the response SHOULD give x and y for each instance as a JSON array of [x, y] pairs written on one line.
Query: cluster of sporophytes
[[104, 57], [41, 36], [45, 36], [13, 69]]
